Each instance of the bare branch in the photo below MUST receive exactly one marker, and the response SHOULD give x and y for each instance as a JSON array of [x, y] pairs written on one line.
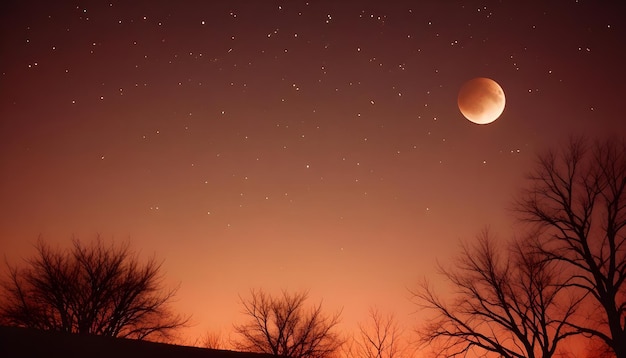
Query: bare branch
[[577, 198], [282, 326], [91, 289], [507, 301], [380, 337]]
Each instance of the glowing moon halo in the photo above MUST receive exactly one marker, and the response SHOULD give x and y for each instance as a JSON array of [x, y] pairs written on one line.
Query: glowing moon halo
[[481, 100]]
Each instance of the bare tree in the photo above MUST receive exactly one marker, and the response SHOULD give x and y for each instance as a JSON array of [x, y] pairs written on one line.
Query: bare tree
[[95, 289], [577, 197], [282, 326], [213, 340], [505, 300], [380, 337], [597, 348]]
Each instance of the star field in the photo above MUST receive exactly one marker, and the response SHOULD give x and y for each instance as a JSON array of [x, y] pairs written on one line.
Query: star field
[[288, 144]]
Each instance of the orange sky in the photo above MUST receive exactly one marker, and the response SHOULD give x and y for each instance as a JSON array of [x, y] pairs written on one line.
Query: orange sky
[[289, 145]]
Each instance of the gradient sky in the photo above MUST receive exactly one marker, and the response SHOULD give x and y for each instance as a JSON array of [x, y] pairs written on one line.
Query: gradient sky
[[289, 144]]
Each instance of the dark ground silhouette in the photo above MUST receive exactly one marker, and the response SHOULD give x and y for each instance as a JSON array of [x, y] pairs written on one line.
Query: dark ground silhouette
[[22, 342]]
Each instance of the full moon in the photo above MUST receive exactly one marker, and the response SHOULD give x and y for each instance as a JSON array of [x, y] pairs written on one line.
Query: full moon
[[481, 100]]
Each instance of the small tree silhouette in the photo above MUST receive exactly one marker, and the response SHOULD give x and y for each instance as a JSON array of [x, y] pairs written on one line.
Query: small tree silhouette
[[282, 326], [213, 340], [94, 289], [379, 337]]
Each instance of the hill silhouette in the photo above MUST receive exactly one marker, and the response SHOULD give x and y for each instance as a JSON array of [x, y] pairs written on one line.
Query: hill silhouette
[[23, 342]]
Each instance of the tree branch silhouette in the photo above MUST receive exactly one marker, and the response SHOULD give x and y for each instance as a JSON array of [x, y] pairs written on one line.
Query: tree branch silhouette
[[577, 199], [94, 289], [507, 301], [283, 327]]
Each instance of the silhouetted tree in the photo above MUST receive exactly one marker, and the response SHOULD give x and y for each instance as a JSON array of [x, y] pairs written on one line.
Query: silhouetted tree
[[506, 300], [577, 198], [597, 348], [283, 326], [379, 337], [213, 340], [94, 289]]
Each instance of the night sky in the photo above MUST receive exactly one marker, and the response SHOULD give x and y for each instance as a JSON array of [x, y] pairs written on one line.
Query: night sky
[[289, 144]]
